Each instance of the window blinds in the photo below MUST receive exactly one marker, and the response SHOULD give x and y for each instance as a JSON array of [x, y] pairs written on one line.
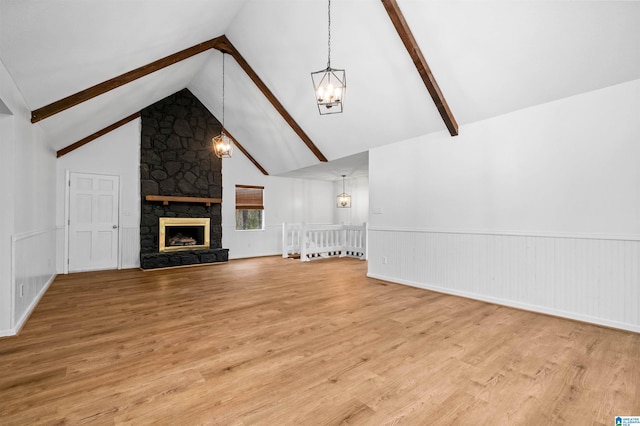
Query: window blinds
[[249, 197]]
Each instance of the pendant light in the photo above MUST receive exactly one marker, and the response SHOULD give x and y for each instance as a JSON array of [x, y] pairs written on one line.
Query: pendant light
[[329, 84], [344, 199], [222, 143]]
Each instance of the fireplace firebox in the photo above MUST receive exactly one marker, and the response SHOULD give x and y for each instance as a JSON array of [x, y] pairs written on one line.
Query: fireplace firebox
[[178, 234]]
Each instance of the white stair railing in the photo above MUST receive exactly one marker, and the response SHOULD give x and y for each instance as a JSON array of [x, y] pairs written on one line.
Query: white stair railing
[[291, 238], [323, 241], [355, 241]]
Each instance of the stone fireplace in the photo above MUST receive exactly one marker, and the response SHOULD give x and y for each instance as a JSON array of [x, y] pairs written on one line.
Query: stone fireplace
[[180, 185]]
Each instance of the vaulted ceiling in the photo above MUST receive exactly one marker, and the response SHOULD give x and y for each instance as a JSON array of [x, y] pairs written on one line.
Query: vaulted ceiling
[[489, 58]]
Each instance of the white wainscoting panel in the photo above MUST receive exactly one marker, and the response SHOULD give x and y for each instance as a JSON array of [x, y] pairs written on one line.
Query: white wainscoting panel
[[129, 247], [589, 279], [254, 243], [61, 249], [33, 270]]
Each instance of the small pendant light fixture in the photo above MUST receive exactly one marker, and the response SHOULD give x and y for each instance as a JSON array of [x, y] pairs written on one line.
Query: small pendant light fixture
[[329, 84], [222, 143], [344, 199]]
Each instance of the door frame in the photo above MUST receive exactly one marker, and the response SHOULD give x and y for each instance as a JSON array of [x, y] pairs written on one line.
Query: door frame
[[67, 215]]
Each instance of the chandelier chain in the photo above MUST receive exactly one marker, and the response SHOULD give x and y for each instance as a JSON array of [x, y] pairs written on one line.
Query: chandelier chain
[[329, 38], [222, 142], [223, 90]]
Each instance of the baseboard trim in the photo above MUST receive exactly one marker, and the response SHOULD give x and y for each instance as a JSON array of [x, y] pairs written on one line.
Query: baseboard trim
[[18, 327], [7, 333], [514, 304], [253, 256]]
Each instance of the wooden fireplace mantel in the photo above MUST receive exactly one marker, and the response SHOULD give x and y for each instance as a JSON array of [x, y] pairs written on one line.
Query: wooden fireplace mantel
[[168, 199]]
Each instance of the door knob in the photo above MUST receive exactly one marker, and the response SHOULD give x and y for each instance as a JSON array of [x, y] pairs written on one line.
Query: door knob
[[115, 226]]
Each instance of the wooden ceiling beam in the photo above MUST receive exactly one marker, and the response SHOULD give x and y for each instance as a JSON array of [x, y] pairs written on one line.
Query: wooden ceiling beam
[[96, 135], [222, 44], [397, 18], [225, 46], [106, 86], [246, 153]]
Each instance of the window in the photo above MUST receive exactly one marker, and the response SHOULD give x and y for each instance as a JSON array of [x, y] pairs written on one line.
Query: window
[[249, 207]]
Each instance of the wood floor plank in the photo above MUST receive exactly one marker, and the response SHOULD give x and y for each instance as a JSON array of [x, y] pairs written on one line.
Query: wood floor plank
[[275, 341]]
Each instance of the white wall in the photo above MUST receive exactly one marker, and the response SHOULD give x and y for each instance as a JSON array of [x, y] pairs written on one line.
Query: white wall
[[6, 221], [358, 188], [285, 200], [539, 208], [28, 200], [116, 153]]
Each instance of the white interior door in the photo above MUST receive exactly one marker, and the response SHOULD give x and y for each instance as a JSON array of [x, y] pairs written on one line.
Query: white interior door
[[93, 222]]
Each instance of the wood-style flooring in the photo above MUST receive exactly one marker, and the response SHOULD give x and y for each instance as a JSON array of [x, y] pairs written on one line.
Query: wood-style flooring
[[274, 341]]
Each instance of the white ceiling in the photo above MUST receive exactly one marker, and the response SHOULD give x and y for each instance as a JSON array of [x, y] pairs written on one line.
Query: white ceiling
[[4, 109], [353, 166], [490, 57]]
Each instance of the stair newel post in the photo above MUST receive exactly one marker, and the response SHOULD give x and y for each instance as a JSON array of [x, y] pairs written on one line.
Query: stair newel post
[[304, 243], [284, 240]]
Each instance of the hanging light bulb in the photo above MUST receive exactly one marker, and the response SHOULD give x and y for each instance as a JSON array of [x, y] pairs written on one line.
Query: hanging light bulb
[[344, 199], [222, 145], [329, 84]]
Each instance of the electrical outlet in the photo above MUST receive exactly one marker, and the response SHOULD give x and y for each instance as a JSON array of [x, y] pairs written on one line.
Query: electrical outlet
[[384, 260]]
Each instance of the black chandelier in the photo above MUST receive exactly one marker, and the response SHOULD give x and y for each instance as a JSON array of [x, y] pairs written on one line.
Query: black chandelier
[[329, 84], [343, 200], [222, 143]]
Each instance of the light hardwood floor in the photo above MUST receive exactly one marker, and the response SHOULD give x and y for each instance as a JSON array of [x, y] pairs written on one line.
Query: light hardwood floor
[[274, 341]]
